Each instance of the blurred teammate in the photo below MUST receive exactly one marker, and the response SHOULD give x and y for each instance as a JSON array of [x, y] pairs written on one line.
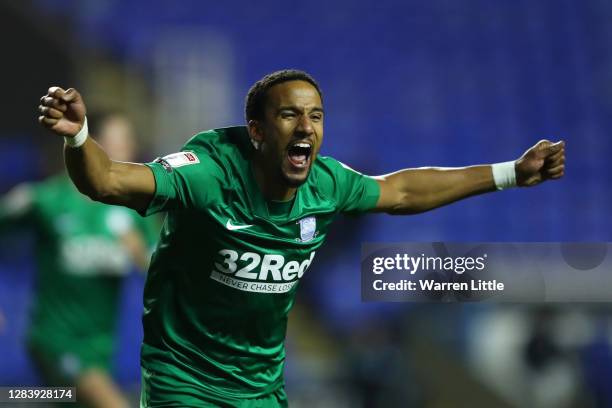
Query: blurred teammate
[[248, 207], [83, 250]]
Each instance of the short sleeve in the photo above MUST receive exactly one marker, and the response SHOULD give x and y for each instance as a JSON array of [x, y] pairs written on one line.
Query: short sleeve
[[184, 180], [353, 192]]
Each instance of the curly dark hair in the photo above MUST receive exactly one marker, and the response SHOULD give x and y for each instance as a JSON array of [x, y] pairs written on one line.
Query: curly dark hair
[[256, 97]]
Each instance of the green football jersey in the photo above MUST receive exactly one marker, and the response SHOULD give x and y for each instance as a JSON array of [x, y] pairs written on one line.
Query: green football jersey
[[225, 273], [80, 263]]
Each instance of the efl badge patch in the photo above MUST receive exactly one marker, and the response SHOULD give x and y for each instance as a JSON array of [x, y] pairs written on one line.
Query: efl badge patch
[[308, 227], [181, 159]]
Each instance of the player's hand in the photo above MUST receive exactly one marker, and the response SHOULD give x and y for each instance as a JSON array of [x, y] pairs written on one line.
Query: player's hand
[[545, 160], [62, 111]]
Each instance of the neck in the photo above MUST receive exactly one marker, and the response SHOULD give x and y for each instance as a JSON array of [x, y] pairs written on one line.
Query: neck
[[270, 181]]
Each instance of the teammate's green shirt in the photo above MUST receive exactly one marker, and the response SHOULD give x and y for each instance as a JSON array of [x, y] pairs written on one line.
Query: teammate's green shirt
[[224, 275], [80, 263]]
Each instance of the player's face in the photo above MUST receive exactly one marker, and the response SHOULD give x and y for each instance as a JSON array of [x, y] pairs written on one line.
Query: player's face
[[292, 129]]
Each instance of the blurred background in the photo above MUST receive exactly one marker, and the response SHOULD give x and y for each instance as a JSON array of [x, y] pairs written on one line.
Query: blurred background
[[406, 84]]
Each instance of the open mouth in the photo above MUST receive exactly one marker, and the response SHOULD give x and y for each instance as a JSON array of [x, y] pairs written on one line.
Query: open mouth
[[299, 154]]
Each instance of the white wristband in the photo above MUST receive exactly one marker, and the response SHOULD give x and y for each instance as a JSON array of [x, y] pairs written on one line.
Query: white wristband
[[80, 138], [504, 175]]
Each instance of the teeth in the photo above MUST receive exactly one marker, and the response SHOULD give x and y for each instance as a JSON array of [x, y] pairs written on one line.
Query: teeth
[[305, 145]]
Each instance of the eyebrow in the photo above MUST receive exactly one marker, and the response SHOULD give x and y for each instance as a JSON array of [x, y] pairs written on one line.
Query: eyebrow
[[296, 109]]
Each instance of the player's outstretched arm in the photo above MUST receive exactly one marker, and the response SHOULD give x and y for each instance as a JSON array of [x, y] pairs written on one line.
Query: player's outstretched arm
[[91, 170], [412, 191]]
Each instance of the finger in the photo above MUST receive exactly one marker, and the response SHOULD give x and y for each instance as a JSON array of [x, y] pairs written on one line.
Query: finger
[[70, 95], [557, 176], [56, 91], [550, 164], [50, 112], [53, 103], [554, 170], [553, 148], [45, 121], [556, 156]]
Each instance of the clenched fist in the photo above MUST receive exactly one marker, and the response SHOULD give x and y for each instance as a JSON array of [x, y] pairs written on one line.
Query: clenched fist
[[545, 160], [62, 111]]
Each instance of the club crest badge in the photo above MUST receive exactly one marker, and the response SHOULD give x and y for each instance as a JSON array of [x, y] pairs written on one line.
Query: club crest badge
[[308, 227]]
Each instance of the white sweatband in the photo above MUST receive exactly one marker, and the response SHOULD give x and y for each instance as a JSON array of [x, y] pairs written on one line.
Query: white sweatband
[[80, 138], [504, 175]]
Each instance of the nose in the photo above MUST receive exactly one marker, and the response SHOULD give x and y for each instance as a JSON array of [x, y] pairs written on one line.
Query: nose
[[304, 125]]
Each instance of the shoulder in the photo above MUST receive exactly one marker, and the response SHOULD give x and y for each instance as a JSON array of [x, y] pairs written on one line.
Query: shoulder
[[211, 148], [58, 187], [206, 166], [335, 179], [37, 197], [20, 200], [222, 141], [326, 167], [222, 150], [324, 175]]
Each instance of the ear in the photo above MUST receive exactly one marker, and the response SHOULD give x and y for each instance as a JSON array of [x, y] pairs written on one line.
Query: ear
[[256, 133]]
